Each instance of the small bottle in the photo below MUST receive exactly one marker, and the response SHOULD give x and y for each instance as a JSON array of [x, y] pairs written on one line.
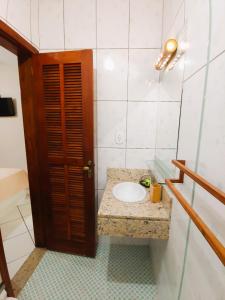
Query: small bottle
[[155, 193]]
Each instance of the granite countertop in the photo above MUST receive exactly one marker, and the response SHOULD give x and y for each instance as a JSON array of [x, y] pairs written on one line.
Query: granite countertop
[[145, 210]]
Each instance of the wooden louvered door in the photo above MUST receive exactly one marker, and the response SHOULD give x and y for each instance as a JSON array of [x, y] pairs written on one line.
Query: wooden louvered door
[[64, 83]]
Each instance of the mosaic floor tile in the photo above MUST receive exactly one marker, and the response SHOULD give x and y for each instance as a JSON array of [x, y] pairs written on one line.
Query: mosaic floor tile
[[117, 272]]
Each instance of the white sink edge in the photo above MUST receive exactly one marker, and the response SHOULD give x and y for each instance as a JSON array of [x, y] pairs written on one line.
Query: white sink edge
[[129, 192]]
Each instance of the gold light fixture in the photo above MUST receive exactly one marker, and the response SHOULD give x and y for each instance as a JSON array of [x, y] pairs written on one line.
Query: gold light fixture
[[168, 52], [180, 51]]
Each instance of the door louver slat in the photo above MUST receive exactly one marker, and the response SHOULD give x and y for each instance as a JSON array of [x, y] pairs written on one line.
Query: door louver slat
[[73, 110], [52, 102]]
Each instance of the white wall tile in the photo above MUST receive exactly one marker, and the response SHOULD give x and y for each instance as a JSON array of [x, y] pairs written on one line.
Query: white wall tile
[[143, 81], [13, 228], [213, 141], [202, 260], [112, 123], [191, 106], [141, 125], [189, 131], [139, 158], [35, 22], [171, 82], [166, 154], [171, 9], [218, 27], [145, 23], [167, 124], [112, 23], [177, 25], [197, 37], [80, 23], [109, 158], [19, 16], [51, 26], [172, 258], [112, 68], [3, 8], [23, 245]]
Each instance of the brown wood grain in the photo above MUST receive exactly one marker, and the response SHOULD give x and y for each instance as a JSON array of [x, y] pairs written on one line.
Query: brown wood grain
[[217, 193], [64, 85], [14, 42]]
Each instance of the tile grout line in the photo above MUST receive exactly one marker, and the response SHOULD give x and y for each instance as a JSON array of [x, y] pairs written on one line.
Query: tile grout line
[[14, 260], [128, 72], [198, 147], [13, 237], [26, 225]]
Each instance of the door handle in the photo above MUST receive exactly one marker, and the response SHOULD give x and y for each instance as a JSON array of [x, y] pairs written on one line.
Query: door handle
[[89, 168]]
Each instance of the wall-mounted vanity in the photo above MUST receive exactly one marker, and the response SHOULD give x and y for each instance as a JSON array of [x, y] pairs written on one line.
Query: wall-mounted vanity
[[138, 220]]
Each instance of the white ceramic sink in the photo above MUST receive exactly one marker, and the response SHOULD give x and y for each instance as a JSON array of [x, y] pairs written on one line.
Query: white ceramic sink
[[129, 192]]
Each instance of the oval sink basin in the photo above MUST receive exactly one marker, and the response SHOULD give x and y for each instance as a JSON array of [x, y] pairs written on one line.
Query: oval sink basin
[[129, 192]]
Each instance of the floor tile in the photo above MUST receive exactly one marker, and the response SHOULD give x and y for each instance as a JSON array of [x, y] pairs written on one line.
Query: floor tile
[[117, 272]]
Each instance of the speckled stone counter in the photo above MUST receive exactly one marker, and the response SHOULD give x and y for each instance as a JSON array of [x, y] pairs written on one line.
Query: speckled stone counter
[[138, 220]]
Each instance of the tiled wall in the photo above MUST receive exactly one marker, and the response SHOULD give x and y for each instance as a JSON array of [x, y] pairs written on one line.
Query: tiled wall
[[22, 16], [126, 37], [187, 267]]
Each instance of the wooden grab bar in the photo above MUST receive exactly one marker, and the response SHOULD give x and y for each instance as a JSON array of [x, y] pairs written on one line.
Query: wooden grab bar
[[216, 245]]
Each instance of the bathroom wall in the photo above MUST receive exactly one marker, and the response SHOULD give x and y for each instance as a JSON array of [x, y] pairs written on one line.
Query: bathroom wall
[[22, 16], [126, 37], [186, 266], [12, 150]]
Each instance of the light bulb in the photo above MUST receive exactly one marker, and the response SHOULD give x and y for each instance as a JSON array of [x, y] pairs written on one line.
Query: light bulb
[[171, 45]]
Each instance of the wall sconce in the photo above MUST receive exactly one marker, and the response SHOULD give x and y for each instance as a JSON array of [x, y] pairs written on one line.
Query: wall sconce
[[180, 51], [168, 52]]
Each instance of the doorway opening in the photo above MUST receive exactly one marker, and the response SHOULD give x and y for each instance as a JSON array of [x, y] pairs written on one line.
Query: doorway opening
[[15, 208]]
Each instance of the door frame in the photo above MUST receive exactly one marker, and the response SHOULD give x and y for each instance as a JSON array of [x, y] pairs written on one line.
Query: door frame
[[12, 41]]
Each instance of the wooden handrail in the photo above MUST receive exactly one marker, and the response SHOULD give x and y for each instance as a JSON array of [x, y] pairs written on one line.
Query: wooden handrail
[[215, 244], [217, 193]]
